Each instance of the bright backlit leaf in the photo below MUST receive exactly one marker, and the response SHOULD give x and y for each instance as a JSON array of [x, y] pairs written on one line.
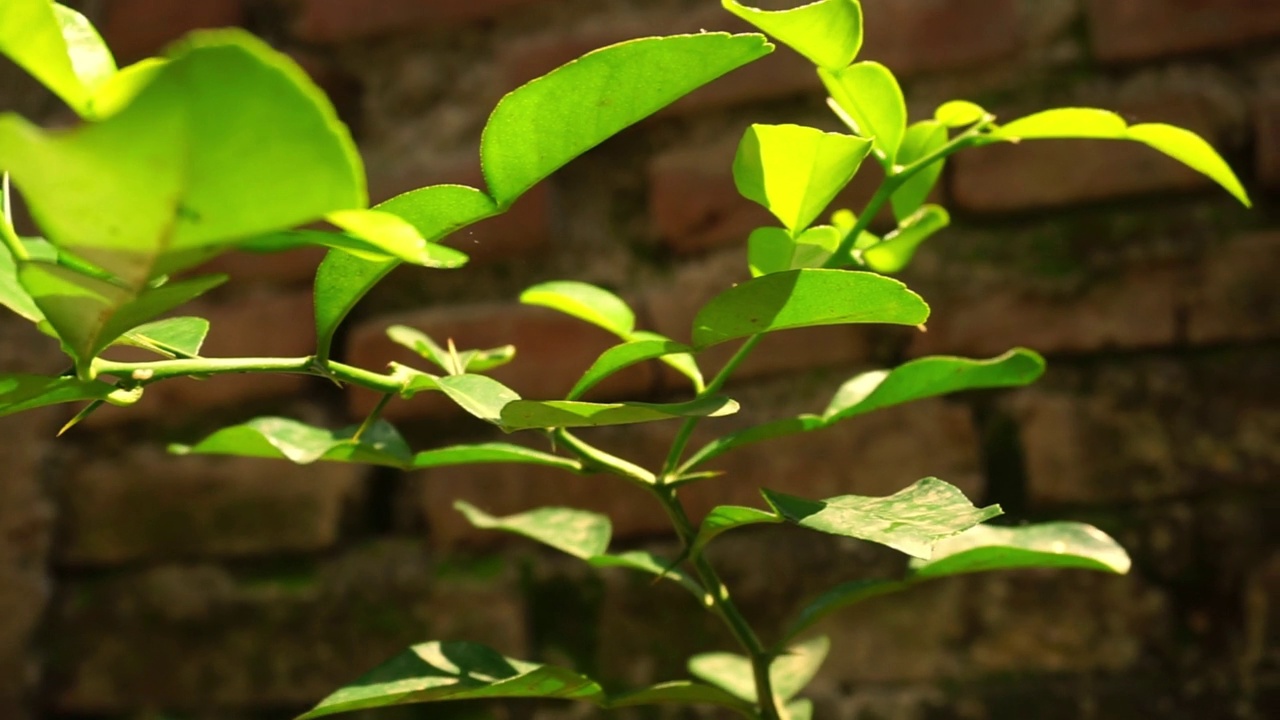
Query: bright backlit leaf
[[682, 363], [542, 125], [1182, 145], [922, 140], [959, 113], [771, 250], [481, 396], [26, 392], [179, 337], [827, 32], [585, 302], [620, 357], [1047, 545], [804, 298], [437, 671], [58, 46], [789, 673], [795, 171], [866, 96], [286, 439], [895, 250], [579, 533], [910, 521], [530, 414]]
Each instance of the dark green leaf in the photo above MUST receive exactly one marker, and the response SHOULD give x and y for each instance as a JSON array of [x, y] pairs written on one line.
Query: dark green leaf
[[682, 363], [838, 597], [286, 439], [685, 693], [892, 254], [728, 517], [529, 414], [343, 278], [623, 356], [585, 302], [479, 395], [789, 673], [179, 337], [1182, 145], [490, 453], [930, 377], [922, 140], [549, 121], [579, 533], [911, 521], [767, 431], [802, 298], [647, 562], [1048, 545], [867, 98], [26, 392], [455, 363], [795, 171], [58, 46], [827, 32], [771, 250], [438, 671]]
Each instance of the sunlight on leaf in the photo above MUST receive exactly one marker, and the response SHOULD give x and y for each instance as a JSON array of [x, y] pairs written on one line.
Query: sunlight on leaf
[[827, 32]]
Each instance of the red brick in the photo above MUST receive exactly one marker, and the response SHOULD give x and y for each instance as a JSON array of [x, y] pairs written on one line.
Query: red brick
[[1235, 298], [874, 455], [1268, 141], [343, 20], [147, 505], [135, 29], [694, 205], [522, 230], [1131, 30], [923, 36], [294, 266], [1056, 173], [552, 352], [262, 322]]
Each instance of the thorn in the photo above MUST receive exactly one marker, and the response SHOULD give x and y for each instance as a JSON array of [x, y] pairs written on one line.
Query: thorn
[[922, 328]]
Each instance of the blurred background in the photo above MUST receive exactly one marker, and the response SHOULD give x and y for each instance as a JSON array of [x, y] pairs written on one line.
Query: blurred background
[[139, 586]]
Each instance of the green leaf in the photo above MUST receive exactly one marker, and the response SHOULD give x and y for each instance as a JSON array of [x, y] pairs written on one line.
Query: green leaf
[[452, 363], [647, 562], [26, 392], [12, 294], [482, 453], [1048, 545], [579, 533], [58, 46], [542, 125], [393, 236], [922, 140], [438, 671], [585, 302], [481, 396], [192, 165], [789, 673], [179, 337], [771, 250], [89, 314], [911, 521], [623, 356], [839, 597], [685, 693], [724, 518], [795, 171], [682, 363], [867, 98], [767, 431], [120, 89], [959, 113], [799, 709], [827, 32], [1182, 145], [804, 298], [285, 439], [529, 414], [895, 251], [342, 278], [929, 377]]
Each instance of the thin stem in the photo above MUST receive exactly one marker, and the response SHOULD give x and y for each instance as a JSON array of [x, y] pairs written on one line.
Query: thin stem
[[7, 234], [372, 417], [592, 455], [721, 602], [717, 383], [147, 372]]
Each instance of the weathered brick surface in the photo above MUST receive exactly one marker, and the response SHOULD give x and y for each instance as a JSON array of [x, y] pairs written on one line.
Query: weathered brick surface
[[190, 638], [1234, 298], [294, 267], [1268, 140], [342, 21], [920, 36], [552, 352], [1055, 173], [1134, 30], [1152, 430], [146, 505], [135, 29]]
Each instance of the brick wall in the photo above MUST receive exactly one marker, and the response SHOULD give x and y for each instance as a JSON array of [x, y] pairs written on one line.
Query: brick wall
[[139, 585]]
